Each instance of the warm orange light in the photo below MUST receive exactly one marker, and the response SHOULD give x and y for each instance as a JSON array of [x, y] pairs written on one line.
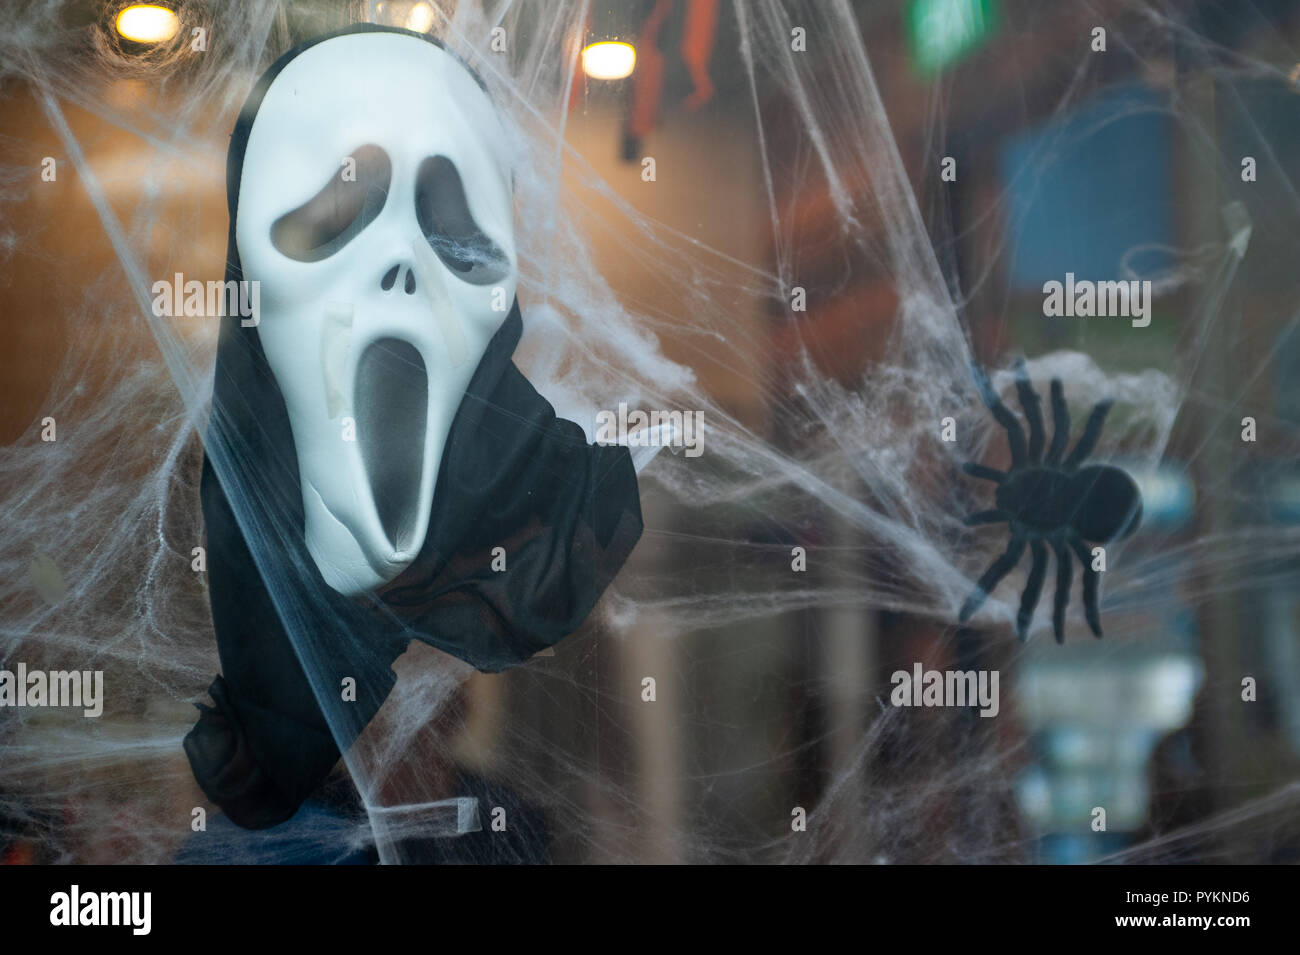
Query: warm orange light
[[147, 23], [420, 19], [608, 60]]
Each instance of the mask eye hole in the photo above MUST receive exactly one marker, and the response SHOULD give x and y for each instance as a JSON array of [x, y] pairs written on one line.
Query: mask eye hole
[[449, 227], [334, 216]]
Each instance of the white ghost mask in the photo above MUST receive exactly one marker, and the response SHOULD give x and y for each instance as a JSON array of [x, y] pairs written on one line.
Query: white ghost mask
[[375, 211]]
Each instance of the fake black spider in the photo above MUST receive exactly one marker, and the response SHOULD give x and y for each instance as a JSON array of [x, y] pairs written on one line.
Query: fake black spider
[[1050, 501]]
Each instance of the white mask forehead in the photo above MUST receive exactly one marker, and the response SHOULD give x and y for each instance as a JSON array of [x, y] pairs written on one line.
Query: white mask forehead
[[402, 93]]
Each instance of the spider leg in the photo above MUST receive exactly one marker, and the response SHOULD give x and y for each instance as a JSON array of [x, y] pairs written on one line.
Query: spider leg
[[1090, 581], [993, 516], [1033, 407], [1060, 424], [1033, 588], [1090, 434], [1003, 415], [980, 471], [997, 570], [1062, 597]]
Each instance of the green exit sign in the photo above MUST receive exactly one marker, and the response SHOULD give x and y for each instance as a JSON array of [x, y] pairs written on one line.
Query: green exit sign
[[941, 32]]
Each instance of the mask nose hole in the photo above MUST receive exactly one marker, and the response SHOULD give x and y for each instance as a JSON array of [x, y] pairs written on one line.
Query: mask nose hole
[[406, 273]]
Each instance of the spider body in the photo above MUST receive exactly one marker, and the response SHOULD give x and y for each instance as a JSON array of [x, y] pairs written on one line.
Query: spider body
[[1036, 497], [1048, 499]]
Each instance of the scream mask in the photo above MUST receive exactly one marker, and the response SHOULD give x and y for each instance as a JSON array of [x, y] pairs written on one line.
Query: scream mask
[[375, 210], [376, 468]]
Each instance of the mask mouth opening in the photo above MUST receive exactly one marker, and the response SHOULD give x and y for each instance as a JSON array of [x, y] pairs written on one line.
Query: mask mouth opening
[[391, 404]]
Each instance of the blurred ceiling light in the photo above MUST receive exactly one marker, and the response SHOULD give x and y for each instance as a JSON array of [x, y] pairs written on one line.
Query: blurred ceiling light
[[147, 23], [608, 60], [420, 19]]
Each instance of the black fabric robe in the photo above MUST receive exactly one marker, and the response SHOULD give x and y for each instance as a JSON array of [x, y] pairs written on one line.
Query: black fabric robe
[[513, 475]]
